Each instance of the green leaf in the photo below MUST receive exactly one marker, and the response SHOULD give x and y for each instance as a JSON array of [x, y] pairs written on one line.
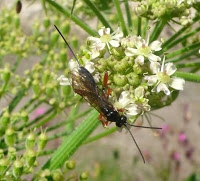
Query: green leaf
[[73, 142]]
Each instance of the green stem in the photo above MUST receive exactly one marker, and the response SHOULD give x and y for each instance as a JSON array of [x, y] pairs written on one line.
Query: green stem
[[120, 16], [184, 50], [187, 65], [157, 30], [178, 33], [181, 39], [73, 142], [139, 26], [98, 14], [74, 18], [183, 56], [128, 14], [188, 76]]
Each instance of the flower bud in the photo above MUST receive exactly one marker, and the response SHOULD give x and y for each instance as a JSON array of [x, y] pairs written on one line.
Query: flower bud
[[1, 154], [10, 136], [57, 175], [121, 66], [5, 119], [66, 90], [133, 79], [24, 116], [46, 76], [65, 28], [30, 157], [30, 141], [4, 164], [42, 141], [17, 168], [70, 164], [84, 176], [54, 37], [46, 22], [36, 87], [120, 80], [11, 153], [6, 74]]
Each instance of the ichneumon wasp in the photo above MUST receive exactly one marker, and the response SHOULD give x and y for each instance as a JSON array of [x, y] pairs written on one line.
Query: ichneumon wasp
[[84, 84]]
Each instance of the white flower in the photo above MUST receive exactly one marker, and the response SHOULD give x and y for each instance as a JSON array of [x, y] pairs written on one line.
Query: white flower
[[73, 65], [125, 102], [64, 81], [144, 49], [132, 106], [162, 80], [98, 44]]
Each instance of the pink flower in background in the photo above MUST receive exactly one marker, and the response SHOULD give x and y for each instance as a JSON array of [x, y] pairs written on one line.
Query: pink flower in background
[[38, 112], [164, 130], [176, 156], [182, 137]]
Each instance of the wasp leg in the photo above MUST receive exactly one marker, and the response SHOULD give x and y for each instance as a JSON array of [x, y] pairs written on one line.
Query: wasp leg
[[104, 122]]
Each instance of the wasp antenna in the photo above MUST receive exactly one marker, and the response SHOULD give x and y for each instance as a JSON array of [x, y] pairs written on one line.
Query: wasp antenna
[[134, 141], [67, 45], [149, 127]]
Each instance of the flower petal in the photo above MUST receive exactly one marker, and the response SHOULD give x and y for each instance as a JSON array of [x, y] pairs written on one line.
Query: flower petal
[[63, 80], [164, 88], [153, 57], [170, 68], [155, 45], [177, 83]]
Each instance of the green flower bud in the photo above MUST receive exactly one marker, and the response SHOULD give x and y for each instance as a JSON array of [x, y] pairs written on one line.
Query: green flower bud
[[11, 153], [137, 69], [65, 28], [4, 164], [62, 105], [49, 90], [5, 119], [17, 168], [63, 56], [120, 80], [31, 157], [75, 42], [133, 79], [121, 66], [6, 74], [52, 101], [1, 154], [17, 22], [24, 116], [111, 61], [46, 22], [30, 140], [84, 176], [10, 136], [70, 164], [36, 87], [66, 90], [54, 37], [46, 76], [42, 141], [57, 175], [45, 173]]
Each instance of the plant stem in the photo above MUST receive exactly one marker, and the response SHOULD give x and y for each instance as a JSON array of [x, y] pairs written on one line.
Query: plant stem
[[73, 142]]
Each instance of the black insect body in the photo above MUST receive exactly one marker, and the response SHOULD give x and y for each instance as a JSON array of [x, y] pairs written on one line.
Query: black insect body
[[18, 6], [84, 84]]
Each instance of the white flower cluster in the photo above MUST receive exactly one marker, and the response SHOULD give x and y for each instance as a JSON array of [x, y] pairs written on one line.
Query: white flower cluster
[[158, 78]]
